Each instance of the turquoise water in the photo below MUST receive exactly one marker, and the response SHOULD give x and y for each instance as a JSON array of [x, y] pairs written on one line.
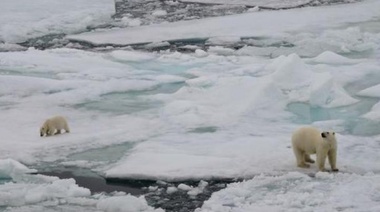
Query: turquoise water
[[349, 115], [131, 101]]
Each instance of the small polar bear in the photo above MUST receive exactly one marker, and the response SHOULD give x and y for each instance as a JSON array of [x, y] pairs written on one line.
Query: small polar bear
[[309, 140], [54, 125]]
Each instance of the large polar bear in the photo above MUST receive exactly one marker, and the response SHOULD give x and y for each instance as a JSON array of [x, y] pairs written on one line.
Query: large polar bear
[[309, 140], [54, 125]]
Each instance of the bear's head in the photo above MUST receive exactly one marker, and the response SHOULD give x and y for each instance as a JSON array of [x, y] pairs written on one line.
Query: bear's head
[[330, 136], [44, 130]]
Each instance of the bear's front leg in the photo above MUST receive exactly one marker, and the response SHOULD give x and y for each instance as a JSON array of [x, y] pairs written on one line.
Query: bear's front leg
[[50, 132], [332, 160], [321, 158]]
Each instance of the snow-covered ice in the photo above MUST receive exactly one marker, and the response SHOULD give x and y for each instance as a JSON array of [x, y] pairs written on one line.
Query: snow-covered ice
[[25, 192], [299, 192], [21, 20], [10, 168], [242, 25]]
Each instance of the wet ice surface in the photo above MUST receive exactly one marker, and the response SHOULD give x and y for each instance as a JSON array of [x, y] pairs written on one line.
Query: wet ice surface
[[189, 123]]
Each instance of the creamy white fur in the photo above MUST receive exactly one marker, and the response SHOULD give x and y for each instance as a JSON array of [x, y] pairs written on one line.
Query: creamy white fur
[[54, 125], [309, 140]]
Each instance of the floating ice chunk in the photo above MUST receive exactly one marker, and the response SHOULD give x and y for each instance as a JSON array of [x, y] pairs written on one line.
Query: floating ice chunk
[[171, 190], [202, 184], [161, 182], [37, 188], [184, 187], [10, 167], [254, 9], [58, 189], [194, 191], [152, 188], [198, 190], [125, 203]]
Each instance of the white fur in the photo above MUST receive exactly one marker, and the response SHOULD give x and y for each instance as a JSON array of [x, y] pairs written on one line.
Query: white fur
[[309, 140], [54, 125]]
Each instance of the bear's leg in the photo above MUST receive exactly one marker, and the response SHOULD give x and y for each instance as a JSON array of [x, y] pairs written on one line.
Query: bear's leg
[[321, 158], [308, 159], [300, 158], [51, 131], [332, 160], [58, 132], [66, 127]]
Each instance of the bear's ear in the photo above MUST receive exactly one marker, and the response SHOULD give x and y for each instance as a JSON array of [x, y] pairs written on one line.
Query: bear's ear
[[323, 135]]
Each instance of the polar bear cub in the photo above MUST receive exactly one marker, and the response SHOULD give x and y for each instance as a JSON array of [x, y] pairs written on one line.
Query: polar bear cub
[[309, 140], [54, 125]]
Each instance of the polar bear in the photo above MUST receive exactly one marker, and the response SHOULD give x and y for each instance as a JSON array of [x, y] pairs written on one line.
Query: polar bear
[[54, 125], [309, 140]]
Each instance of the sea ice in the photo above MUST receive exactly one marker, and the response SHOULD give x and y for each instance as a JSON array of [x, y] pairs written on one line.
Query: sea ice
[[298, 192], [171, 190], [259, 25], [10, 168], [39, 191], [20, 20]]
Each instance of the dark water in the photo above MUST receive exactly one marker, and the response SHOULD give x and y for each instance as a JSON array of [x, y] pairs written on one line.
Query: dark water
[[96, 183], [158, 197]]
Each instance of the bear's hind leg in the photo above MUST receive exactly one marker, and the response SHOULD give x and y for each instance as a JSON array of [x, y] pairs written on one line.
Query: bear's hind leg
[[300, 158], [308, 159], [58, 132]]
